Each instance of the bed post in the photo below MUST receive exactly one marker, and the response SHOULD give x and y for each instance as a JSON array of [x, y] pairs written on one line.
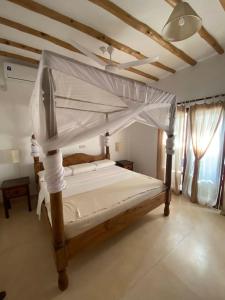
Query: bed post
[[168, 181], [107, 153], [36, 167], [59, 236], [169, 156], [59, 244], [36, 161]]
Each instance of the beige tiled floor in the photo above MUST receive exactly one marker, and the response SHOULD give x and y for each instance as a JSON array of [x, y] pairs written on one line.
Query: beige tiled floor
[[180, 257]]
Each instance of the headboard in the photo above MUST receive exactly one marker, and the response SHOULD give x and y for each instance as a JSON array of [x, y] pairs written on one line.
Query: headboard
[[72, 159], [80, 158]]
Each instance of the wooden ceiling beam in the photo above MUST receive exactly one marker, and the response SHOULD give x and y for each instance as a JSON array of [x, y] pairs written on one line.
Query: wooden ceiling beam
[[144, 28], [204, 34], [19, 45], [37, 33], [19, 57], [62, 43], [50, 13]]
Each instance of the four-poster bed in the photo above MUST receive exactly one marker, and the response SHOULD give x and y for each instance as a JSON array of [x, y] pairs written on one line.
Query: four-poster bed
[[73, 102]]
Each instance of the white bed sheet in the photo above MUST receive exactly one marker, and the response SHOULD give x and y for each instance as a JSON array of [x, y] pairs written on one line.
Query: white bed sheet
[[81, 225], [84, 182], [81, 215]]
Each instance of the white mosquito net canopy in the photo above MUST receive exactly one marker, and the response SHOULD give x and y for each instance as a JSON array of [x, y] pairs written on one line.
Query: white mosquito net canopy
[[73, 102]]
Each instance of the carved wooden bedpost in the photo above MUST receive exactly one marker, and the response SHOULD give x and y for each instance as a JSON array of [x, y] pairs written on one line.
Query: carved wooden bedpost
[[36, 162], [169, 160], [55, 198], [59, 236], [107, 153], [169, 156], [36, 167]]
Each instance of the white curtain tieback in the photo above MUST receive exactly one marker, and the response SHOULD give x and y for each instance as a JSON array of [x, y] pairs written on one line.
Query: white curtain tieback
[[34, 148], [107, 139], [54, 172]]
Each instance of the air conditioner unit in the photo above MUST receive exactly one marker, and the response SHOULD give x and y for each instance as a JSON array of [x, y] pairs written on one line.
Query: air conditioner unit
[[19, 72]]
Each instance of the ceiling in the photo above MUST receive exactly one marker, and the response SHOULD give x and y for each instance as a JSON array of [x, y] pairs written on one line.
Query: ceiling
[[152, 12]]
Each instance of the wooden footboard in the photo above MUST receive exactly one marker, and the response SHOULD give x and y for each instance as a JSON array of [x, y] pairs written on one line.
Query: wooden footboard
[[110, 227]]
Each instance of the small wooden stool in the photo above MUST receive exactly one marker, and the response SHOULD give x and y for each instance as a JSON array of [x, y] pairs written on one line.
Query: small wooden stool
[[14, 188]]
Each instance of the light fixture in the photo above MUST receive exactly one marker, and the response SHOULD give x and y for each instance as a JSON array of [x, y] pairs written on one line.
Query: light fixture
[[9, 156], [15, 156], [182, 23], [118, 146]]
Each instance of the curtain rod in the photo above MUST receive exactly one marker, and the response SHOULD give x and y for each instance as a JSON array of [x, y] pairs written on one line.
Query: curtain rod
[[200, 99]]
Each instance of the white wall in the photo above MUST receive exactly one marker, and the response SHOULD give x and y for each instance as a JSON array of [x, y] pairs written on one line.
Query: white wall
[[95, 146], [207, 78], [15, 128], [143, 148]]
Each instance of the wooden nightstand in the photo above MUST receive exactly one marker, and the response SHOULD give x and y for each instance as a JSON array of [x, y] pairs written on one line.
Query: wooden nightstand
[[127, 164], [15, 188]]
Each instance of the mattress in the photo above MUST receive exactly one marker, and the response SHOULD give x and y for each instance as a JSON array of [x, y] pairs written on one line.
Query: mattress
[[93, 197]]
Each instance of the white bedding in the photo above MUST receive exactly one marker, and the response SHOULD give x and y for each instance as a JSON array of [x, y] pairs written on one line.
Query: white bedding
[[83, 182], [82, 213]]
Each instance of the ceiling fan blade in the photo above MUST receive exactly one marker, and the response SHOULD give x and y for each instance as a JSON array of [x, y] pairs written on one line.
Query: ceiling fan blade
[[137, 62], [222, 2], [88, 53]]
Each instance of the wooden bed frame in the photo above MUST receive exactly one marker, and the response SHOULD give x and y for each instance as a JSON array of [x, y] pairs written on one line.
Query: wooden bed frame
[[64, 248]]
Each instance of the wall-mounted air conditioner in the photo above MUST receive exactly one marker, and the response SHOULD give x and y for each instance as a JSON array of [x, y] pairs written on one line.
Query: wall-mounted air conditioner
[[19, 72]]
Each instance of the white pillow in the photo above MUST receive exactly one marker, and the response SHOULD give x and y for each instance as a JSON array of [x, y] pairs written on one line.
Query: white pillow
[[68, 171], [104, 163], [82, 168]]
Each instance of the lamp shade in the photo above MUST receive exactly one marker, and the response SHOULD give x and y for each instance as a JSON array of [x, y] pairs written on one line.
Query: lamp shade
[[118, 146], [182, 23], [15, 156], [9, 156]]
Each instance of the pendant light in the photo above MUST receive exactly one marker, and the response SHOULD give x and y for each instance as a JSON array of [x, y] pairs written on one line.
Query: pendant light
[[182, 23]]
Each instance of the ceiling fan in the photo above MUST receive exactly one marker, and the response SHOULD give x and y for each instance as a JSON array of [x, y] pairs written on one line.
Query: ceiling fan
[[112, 66]]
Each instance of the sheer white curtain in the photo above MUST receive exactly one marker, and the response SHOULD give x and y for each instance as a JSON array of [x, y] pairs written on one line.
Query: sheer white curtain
[[205, 141]]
